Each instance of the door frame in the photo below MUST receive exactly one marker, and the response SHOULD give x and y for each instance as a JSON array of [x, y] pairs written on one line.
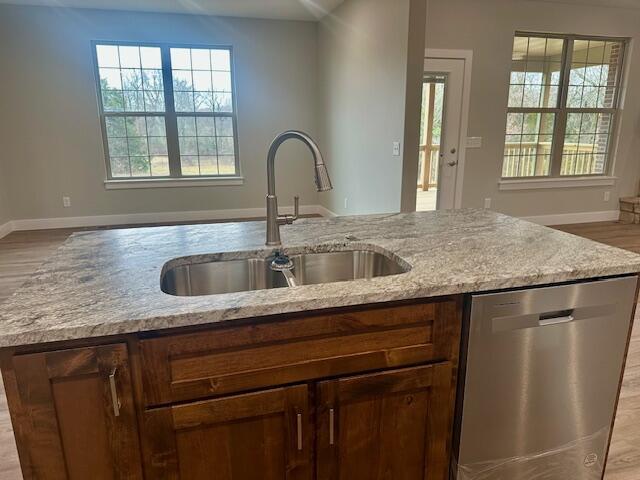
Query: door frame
[[467, 57]]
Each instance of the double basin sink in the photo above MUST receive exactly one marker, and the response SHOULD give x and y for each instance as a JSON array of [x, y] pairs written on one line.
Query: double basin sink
[[195, 276]]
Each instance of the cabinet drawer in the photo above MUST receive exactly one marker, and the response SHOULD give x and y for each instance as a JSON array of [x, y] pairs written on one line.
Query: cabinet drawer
[[216, 362]]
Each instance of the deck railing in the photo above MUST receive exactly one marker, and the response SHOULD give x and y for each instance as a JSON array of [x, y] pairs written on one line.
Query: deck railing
[[520, 159], [433, 155]]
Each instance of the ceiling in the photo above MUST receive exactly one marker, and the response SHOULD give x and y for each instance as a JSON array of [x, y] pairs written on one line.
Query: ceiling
[[537, 47], [277, 9], [602, 3]]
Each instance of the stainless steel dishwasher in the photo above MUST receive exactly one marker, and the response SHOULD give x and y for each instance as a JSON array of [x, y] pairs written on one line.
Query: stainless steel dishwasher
[[539, 381]]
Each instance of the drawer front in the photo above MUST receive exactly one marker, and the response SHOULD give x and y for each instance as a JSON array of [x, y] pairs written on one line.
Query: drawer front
[[221, 361]]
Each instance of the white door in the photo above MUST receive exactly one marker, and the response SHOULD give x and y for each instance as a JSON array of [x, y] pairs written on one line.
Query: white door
[[453, 72]]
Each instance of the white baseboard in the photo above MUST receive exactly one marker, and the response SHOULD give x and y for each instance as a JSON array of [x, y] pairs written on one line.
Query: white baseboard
[[143, 218], [6, 229], [203, 215], [325, 212], [569, 218]]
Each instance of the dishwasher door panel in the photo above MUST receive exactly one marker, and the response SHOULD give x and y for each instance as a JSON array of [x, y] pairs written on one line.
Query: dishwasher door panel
[[541, 380]]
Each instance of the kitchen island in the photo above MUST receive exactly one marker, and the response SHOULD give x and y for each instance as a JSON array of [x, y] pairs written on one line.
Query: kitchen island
[[92, 344]]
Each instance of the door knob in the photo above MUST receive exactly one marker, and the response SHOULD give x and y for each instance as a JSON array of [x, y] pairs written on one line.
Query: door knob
[[452, 164], [453, 150]]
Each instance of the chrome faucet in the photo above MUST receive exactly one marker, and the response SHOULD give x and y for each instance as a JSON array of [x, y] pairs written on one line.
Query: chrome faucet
[[323, 183]]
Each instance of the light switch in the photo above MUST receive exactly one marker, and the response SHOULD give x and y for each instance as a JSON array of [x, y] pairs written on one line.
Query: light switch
[[396, 149]]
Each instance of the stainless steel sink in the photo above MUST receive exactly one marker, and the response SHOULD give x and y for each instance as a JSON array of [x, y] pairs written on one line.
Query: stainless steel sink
[[182, 278]]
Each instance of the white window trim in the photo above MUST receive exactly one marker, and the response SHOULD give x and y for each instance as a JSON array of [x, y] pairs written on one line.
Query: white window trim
[[556, 182], [114, 183], [173, 183], [554, 179]]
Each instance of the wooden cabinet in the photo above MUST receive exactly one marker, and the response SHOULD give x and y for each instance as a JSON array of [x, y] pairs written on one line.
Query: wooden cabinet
[[295, 349], [255, 436], [75, 415], [392, 424], [385, 425], [349, 394]]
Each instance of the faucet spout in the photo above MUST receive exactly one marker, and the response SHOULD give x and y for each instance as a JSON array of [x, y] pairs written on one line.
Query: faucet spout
[[283, 264], [322, 180]]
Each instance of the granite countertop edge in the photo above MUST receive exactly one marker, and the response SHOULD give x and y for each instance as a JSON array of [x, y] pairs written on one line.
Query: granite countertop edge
[[453, 253]]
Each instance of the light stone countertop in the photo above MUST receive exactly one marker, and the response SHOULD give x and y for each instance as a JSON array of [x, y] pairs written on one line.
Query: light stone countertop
[[108, 282]]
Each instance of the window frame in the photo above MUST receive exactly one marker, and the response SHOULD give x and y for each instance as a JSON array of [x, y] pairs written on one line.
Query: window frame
[[175, 177], [561, 112]]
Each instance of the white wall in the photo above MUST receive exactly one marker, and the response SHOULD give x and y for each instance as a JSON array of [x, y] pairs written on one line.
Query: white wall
[[5, 211], [50, 133], [363, 47], [487, 28]]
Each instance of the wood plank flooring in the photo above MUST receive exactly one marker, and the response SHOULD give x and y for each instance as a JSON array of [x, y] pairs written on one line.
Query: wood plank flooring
[[624, 456], [22, 252]]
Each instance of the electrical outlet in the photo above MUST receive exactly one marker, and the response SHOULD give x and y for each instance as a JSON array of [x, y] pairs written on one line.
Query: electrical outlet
[[66, 202], [607, 196], [396, 149], [487, 203], [346, 203]]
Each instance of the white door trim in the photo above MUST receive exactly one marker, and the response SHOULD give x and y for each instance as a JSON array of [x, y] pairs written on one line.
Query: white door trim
[[467, 56]]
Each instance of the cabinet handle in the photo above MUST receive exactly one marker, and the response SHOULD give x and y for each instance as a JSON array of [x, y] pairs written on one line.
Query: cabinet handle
[[299, 420], [331, 426], [114, 392]]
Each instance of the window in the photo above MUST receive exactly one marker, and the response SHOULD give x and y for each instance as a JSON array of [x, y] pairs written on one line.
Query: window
[[563, 101], [167, 112]]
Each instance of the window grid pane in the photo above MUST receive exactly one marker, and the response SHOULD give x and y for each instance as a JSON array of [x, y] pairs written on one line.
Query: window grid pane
[[594, 74], [586, 144], [130, 78], [535, 72], [202, 80], [593, 84], [137, 146], [528, 144], [131, 83], [207, 145], [535, 88]]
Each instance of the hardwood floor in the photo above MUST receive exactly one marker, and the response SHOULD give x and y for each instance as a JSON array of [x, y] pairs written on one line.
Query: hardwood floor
[[624, 456], [22, 252], [20, 255]]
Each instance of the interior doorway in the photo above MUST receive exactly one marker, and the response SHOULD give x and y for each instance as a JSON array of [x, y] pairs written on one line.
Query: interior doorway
[[440, 134]]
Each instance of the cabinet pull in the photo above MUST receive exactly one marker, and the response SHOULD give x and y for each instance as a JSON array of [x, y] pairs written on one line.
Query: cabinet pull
[[299, 420], [114, 392], [331, 426]]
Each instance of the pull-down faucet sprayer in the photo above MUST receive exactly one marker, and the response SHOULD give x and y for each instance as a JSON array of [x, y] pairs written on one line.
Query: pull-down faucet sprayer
[[323, 183]]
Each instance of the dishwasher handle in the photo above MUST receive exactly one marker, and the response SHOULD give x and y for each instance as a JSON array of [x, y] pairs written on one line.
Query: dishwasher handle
[[556, 318]]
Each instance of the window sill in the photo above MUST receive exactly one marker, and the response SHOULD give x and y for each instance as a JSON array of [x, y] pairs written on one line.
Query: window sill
[[173, 183], [568, 182]]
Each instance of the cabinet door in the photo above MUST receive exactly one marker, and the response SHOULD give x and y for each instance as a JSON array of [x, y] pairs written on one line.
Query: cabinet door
[[77, 418], [393, 424], [255, 436]]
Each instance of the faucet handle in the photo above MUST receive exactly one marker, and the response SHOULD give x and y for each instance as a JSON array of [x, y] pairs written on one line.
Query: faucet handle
[[289, 219], [296, 208]]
